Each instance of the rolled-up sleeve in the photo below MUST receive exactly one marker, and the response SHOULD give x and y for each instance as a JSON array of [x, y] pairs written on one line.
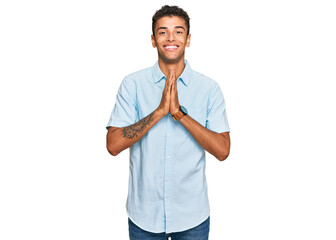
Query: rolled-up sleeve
[[216, 111], [124, 112]]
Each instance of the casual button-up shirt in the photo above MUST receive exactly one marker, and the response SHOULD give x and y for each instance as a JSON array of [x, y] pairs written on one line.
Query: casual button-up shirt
[[167, 190]]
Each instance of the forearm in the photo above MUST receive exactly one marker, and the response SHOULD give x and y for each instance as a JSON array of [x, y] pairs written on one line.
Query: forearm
[[215, 143], [118, 139]]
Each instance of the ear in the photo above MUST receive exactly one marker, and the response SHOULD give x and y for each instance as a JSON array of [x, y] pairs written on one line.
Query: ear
[[188, 40], [153, 41]]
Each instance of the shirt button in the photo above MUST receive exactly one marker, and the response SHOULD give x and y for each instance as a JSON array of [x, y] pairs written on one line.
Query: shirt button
[[169, 135], [168, 156], [166, 179]]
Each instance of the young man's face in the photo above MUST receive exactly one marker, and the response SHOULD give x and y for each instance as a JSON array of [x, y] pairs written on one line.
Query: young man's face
[[171, 38]]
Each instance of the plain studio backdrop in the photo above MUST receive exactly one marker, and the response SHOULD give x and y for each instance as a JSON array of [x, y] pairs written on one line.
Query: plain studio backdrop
[[62, 63]]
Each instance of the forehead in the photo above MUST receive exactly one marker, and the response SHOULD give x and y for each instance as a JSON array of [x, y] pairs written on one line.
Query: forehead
[[170, 21]]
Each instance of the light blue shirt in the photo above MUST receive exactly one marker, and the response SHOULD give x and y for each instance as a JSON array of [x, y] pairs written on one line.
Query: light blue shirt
[[167, 189]]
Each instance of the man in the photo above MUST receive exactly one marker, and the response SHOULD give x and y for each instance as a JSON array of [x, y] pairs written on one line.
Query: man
[[168, 115]]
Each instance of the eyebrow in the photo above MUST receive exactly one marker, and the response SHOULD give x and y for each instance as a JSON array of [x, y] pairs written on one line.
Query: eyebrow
[[167, 28]]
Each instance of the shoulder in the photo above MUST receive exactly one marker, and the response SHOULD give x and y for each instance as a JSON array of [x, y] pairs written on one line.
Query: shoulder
[[138, 75], [204, 81]]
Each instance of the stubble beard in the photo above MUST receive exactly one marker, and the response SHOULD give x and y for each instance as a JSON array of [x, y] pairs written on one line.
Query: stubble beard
[[171, 61]]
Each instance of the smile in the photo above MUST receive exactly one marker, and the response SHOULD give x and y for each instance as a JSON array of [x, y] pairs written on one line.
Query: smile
[[170, 47]]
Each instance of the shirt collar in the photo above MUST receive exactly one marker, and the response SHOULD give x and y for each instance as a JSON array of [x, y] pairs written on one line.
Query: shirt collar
[[184, 77]]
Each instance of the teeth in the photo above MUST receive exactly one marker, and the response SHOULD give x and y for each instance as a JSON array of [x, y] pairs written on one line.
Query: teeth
[[171, 47]]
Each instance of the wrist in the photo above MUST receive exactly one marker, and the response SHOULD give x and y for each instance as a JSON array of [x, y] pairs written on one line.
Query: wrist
[[159, 112], [180, 114], [175, 111]]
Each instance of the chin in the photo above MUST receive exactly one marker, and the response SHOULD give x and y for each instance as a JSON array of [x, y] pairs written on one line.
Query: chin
[[171, 60]]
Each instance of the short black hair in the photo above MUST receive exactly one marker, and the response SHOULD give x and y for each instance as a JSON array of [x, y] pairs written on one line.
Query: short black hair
[[170, 11]]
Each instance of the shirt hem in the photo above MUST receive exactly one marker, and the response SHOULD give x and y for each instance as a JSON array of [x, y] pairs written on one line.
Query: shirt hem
[[168, 232], [188, 228], [139, 225]]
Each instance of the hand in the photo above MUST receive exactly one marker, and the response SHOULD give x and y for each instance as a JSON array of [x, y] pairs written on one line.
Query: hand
[[174, 102], [165, 99]]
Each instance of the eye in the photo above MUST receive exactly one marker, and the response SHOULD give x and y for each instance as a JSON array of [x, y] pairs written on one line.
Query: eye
[[179, 32], [162, 33]]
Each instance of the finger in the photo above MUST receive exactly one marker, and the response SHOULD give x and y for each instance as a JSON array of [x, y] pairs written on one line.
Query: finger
[[174, 85], [170, 88], [172, 74], [171, 80], [167, 85], [167, 80]]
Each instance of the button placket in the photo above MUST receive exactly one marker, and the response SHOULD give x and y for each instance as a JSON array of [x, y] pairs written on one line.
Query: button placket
[[168, 171]]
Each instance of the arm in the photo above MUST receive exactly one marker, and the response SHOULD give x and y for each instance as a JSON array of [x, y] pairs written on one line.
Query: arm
[[118, 139], [218, 144]]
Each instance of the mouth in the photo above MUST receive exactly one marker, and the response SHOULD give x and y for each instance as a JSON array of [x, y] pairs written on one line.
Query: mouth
[[170, 47]]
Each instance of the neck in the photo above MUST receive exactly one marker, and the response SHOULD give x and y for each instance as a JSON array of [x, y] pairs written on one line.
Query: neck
[[166, 67]]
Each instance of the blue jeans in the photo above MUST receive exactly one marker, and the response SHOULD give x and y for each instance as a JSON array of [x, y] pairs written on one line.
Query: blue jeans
[[200, 232]]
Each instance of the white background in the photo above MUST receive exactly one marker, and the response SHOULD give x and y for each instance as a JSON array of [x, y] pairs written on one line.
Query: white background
[[62, 63]]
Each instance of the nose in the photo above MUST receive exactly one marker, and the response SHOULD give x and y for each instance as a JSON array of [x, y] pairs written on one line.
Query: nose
[[171, 37]]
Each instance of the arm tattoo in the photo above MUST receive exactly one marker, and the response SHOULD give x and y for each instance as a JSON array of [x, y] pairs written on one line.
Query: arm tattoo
[[134, 130]]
